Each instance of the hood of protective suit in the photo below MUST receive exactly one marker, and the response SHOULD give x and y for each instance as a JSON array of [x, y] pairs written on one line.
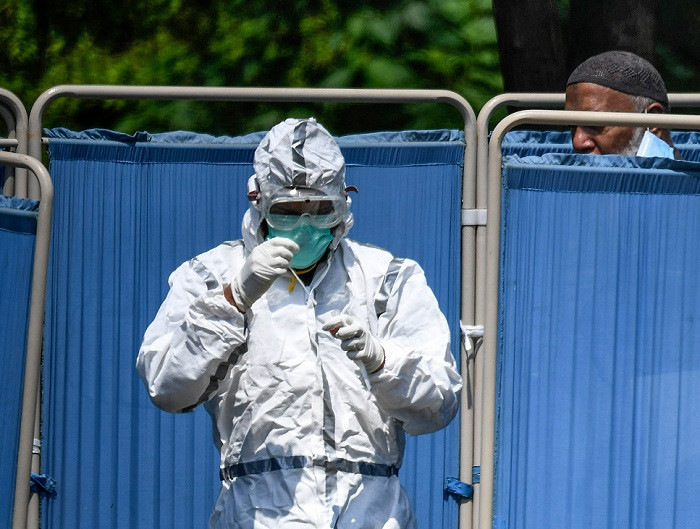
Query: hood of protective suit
[[295, 153]]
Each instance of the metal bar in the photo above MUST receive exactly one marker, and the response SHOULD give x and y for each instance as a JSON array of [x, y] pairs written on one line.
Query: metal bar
[[12, 103], [535, 117], [8, 188], [17, 212], [554, 100], [467, 315], [315, 95], [32, 370], [482, 130], [8, 117], [33, 510], [543, 100], [684, 100], [240, 94]]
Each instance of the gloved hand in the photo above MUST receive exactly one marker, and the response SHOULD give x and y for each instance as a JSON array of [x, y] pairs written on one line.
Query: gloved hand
[[357, 341], [266, 262]]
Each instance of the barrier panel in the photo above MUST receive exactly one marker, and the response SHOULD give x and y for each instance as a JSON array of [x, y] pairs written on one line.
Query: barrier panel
[[25, 229], [131, 209], [17, 238], [599, 333]]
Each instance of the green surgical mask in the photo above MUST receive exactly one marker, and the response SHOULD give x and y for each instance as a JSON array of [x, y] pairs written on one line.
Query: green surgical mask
[[312, 243]]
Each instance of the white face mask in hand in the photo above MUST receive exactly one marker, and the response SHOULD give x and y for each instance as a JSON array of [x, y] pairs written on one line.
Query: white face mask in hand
[[653, 146]]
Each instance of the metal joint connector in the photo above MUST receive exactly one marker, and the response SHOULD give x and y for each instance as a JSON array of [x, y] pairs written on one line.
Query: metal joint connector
[[474, 217]]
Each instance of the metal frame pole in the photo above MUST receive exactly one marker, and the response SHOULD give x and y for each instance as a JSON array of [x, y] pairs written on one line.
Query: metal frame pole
[[482, 130], [545, 100], [8, 188], [32, 368], [318, 95], [13, 104], [483, 120], [490, 347]]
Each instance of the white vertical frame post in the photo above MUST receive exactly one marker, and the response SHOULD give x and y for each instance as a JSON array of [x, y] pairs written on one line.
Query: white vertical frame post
[[32, 369]]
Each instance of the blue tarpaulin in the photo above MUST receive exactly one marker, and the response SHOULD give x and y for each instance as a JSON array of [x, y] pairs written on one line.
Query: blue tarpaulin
[[17, 237], [127, 211], [599, 345]]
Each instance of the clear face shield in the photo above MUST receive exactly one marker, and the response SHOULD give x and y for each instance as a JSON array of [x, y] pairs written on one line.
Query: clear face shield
[[291, 206]]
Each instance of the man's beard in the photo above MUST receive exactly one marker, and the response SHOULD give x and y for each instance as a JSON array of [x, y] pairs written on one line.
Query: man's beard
[[633, 145]]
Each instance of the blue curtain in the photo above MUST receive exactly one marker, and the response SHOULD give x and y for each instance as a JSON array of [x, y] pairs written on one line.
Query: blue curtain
[[127, 211], [17, 236], [537, 143], [599, 353]]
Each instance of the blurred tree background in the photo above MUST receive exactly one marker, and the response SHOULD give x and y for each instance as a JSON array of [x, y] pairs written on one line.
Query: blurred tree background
[[309, 43], [541, 41], [445, 44]]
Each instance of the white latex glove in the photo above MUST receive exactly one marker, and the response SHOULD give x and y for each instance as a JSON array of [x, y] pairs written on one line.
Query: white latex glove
[[358, 342], [266, 262]]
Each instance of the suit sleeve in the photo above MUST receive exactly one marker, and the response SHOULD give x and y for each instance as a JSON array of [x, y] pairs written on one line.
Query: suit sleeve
[[419, 384], [192, 342]]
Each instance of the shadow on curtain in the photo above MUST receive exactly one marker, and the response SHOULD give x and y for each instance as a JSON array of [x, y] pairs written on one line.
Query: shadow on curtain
[[128, 210]]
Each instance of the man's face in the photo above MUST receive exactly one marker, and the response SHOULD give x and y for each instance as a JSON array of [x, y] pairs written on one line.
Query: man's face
[[602, 140]]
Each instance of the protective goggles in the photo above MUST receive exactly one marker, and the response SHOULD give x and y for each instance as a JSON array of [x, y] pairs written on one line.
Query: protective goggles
[[286, 213]]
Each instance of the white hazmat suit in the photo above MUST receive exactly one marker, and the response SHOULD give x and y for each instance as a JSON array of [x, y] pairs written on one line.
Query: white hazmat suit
[[304, 442]]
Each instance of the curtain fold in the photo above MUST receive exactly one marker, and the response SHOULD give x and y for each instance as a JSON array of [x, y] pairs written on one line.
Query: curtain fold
[[599, 353], [538, 142], [127, 212]]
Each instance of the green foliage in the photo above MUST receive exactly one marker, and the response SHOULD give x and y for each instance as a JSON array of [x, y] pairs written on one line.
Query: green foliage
[[679, 46], [429, 44], [449, 44]]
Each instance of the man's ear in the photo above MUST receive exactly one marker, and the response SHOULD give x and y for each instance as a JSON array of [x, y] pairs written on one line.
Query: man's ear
[[656, 108]]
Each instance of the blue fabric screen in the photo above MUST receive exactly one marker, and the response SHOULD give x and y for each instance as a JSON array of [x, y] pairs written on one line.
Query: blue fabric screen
[[537, 143], [128, 210], [599, 353], [17, 237]]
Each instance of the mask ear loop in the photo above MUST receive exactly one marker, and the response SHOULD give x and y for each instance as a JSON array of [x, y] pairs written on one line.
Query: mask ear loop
[[646, 112], [253, 190], [348, 200]]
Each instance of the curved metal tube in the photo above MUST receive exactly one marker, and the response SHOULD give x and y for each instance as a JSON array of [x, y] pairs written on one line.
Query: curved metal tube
[[32, 370], [553, 100], [310, 95], [13, 104]]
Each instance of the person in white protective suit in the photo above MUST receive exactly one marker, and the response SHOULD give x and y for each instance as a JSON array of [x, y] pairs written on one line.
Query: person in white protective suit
[[312, 353]]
